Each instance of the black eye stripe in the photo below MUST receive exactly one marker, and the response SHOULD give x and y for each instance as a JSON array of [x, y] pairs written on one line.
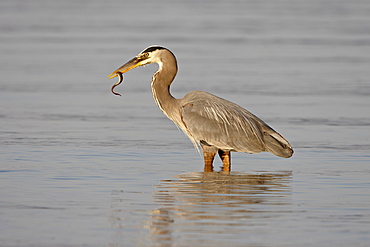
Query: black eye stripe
[[153, 48]]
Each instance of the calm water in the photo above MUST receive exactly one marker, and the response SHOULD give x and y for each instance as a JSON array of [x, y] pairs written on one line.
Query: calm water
[[82, 167]]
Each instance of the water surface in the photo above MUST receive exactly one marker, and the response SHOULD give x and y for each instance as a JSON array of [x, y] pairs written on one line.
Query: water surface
[[82, 167]]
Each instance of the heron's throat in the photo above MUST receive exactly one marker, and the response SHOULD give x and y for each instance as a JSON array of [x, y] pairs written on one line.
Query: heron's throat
[[161, 83]]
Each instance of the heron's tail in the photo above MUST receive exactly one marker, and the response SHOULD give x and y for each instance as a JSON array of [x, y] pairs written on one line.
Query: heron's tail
[[277, 144]]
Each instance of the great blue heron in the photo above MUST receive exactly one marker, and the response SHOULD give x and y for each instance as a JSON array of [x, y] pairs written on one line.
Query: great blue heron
[[215, 124]]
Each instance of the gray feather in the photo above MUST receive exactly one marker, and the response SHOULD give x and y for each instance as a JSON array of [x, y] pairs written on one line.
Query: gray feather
[[227, 126]]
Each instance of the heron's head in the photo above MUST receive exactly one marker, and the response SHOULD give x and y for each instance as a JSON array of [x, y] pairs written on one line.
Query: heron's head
[[152, 54]]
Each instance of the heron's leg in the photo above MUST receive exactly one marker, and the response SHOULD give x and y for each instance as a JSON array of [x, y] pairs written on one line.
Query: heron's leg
[[209, 153], [226, 160]]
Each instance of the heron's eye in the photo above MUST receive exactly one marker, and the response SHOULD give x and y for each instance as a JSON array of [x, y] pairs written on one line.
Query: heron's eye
[[145, 55]]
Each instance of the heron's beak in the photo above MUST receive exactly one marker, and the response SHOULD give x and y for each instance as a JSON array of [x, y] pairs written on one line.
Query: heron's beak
[[133, 63], [137, 61]]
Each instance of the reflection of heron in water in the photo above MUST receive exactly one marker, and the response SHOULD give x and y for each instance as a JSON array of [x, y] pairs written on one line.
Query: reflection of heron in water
[[214, 204], [217, 125]]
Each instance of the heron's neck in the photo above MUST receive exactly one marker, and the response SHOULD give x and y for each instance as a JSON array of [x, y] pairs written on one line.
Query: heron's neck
[[161, 82]]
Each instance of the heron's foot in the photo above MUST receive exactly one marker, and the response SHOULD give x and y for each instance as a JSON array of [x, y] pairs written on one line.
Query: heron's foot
[[208, 168], [226, 160], [209, 153], [226, 168]]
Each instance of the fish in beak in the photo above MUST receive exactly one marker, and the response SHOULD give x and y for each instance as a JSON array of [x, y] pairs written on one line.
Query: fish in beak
[[137, 61]]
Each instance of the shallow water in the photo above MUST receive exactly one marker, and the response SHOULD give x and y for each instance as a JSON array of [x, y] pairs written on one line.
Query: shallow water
[[82, 167]]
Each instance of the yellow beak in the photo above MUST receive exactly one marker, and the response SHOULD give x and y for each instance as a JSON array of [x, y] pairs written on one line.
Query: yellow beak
[[133, 63]]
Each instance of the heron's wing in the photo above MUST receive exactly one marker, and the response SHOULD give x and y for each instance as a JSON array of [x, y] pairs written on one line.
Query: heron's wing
[[228, 126], [221, 123]]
